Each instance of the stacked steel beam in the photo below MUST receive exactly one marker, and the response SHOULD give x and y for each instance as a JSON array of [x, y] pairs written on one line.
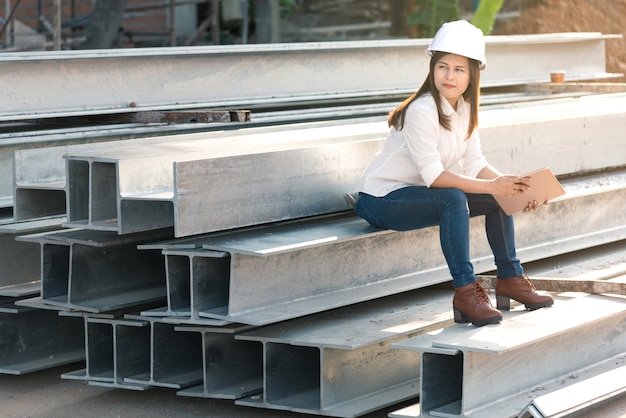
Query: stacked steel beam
[[197, 243]]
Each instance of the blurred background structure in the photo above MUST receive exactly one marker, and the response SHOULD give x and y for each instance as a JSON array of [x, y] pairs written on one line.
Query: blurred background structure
[[74, 24], [96, 24]]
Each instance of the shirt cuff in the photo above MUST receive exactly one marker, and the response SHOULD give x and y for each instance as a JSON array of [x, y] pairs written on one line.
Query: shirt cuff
[[431, 172]]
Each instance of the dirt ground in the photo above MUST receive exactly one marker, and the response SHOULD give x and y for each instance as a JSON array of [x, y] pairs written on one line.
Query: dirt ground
[[554, 16]]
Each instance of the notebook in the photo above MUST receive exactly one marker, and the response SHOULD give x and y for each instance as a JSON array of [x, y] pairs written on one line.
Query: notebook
[[545, 186]]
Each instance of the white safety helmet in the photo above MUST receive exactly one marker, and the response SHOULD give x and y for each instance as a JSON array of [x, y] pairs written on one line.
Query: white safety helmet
[[462, 38]]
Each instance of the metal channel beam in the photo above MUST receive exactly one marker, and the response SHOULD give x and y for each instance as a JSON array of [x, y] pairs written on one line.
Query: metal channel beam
[[187, 297], [32, 340], [219, 194], [132, 189], [40, 170], [231, 369], [191, 77], [579, 396], [473, 372], [137, 353], [98, 271], [571, 136], [263, 275], [35, 171], [115, 349], [85, 136], [20, 262], [340, 363], [311, 180], [175, 357]]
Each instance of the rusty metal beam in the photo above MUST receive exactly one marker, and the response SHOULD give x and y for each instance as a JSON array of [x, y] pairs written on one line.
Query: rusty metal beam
[[550, 284], [181, 116], [557, 88]]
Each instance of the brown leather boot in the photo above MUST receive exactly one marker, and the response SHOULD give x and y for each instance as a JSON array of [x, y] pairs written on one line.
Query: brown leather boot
[[522, 290], [471, 304]]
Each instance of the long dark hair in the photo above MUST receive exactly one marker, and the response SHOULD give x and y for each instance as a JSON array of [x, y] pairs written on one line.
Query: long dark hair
[[471, 95]]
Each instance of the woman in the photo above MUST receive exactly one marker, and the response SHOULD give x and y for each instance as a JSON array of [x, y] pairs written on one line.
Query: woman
[[412, 183]]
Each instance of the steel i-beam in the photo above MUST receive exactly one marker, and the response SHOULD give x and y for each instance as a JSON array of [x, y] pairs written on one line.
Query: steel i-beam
[[20, 262], [133, 190], [198, 193], [187, 295], [175, 357], [36, 175], [340, 363], [33, 339], [33, 170], [99, 271], [38, 184], [122, 80], [264, 274], [581, 395], [231, 369], [115, 349], [137, 353], [493, 371]]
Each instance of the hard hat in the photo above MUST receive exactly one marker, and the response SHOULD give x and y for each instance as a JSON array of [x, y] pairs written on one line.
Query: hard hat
[[462, 38]]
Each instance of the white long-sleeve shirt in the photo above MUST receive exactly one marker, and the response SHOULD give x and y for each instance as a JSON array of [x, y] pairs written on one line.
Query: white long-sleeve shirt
[[423, 149]]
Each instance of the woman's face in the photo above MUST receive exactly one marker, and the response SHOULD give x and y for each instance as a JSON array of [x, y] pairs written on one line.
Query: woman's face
[[452, 76]]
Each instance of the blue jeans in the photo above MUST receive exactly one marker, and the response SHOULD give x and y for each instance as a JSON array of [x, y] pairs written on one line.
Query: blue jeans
[[416, 207]]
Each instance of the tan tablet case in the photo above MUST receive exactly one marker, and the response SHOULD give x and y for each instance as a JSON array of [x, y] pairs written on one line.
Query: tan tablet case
[[544, 187]]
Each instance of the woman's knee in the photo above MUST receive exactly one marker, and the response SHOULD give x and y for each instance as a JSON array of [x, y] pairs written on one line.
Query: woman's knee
[[483, 204], [455, 198]]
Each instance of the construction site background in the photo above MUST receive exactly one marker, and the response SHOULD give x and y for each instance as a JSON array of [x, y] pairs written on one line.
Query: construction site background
[[150, 23]]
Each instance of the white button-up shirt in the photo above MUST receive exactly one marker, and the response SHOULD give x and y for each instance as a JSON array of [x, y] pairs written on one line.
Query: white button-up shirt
[[423, 149]]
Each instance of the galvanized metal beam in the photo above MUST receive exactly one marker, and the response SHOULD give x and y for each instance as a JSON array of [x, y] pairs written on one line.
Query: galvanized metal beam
[[493, 371], [176, 358], [137, 353], [78, 67], [533, 132], [34, 340], [340, 363], [571, 136], [187, 297], [263, 274], [35, 178], [180, 189], [579, 396], [55, 137], [236, 75], [132, 190], [16, 142], [231, 369], [98, 271], [20, 262], [116, 349]]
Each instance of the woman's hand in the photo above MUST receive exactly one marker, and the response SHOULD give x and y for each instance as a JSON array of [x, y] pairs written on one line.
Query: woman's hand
[[509, 185], [533, 206]]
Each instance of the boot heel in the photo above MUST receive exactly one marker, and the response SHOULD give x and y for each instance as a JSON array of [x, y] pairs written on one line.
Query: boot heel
[[459, 317], [503, 303]]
